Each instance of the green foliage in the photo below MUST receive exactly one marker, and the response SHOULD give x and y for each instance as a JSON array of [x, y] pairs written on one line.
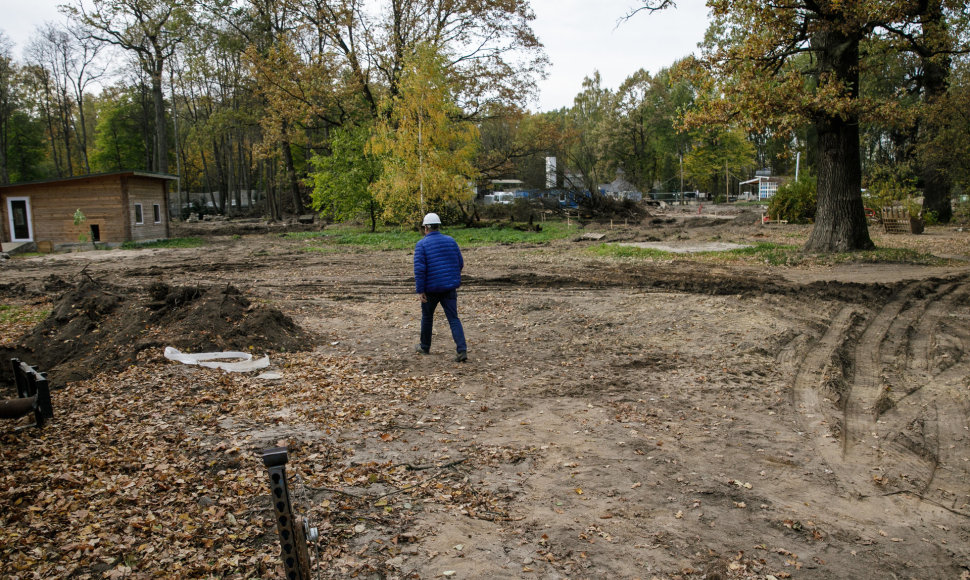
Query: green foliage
[[716, 148], [948, 148], [22, 315], [644, 139], [961, 213], [891, 185], [795, 201], [119, 142], [586, 130], [169, 243], [341, 182], [79, 220], [25, 148]]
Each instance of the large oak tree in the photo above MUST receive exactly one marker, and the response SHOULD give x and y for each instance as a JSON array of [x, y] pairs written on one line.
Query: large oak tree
[[782, 64]]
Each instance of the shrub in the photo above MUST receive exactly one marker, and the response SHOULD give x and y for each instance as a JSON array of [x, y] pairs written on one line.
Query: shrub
[[795, 201], [892, 186]]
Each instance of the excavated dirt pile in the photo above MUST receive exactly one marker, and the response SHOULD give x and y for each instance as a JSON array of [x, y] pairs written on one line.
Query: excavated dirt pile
[[96, 326]]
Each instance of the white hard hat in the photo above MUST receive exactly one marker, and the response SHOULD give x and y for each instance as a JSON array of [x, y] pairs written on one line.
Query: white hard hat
[[431, 219]]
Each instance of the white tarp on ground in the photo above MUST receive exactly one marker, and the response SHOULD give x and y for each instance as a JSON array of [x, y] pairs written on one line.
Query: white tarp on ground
[[241, 361]]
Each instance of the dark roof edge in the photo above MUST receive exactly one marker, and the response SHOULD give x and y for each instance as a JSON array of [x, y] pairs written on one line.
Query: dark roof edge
[[166, 176]]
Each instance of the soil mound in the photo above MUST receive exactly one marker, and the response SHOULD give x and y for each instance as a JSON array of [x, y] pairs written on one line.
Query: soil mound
[[748, 218], [96, 326]]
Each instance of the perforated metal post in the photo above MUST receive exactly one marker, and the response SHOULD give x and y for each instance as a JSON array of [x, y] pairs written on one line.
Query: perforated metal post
[[293, 545]]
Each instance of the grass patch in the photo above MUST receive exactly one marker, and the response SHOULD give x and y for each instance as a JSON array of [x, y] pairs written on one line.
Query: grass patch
[[887, 256], [170, 243], [15, 321], [22, 314], [766, 253], [777, 255], [405, 240]]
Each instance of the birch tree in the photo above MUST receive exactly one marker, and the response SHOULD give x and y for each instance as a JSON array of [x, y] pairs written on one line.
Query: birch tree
[[426, 148]]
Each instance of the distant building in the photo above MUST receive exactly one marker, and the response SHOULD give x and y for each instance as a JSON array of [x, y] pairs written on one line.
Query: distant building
[[620, 188], [761, 187], [551, 176], [118, 207], [506, 184]]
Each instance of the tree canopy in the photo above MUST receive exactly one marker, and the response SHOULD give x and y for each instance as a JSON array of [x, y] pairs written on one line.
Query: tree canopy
[[426, 147], [786, 65]]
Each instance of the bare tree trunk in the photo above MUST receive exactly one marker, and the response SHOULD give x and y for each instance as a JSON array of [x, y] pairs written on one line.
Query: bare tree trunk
[[217, 157], [150, 142], [55, 154], [65, 108], [161, 127], [292, 183], [6, 111]]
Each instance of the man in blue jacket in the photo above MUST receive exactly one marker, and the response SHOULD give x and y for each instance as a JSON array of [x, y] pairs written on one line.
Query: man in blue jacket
[[437, 276]]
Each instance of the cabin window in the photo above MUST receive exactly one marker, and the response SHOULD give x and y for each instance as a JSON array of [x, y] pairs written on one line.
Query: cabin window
[[139, 218], [157, 213]]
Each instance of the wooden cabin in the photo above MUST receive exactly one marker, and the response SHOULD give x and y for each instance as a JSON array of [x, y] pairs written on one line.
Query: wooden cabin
[[118, 207]]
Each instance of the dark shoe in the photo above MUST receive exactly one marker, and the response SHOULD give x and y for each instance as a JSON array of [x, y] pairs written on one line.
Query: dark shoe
[[421, 350], [462, 357]]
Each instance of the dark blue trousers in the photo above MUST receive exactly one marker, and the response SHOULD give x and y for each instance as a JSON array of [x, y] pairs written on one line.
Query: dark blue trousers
[[449, 303]]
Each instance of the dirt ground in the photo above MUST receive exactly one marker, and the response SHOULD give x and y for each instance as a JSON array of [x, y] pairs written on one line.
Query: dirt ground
[[617, 418]]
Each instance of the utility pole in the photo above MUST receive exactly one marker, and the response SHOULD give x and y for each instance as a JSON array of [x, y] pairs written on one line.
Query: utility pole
[[681, 179], [178, 161]]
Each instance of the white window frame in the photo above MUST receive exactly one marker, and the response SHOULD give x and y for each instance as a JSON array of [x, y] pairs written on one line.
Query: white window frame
[[157, 213], [139, 215], [30, 220]]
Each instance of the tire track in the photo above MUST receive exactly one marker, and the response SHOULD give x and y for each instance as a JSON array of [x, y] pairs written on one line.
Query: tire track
[[812, 364], [882, 413], [930, 420]]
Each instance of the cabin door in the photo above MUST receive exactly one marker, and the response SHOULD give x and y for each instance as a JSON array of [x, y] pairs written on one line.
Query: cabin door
[[18, 208]]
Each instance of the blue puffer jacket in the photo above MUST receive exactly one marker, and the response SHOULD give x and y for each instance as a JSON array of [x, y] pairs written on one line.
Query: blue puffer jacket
[[437, 263]]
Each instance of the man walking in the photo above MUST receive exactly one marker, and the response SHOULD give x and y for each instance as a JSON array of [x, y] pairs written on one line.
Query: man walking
[[437, 276]]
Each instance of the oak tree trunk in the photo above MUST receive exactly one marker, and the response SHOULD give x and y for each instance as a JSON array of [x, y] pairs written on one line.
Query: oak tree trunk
[[840, 218]]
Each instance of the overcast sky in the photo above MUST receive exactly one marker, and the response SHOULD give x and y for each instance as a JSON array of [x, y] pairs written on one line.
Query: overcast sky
[[580, 36]]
